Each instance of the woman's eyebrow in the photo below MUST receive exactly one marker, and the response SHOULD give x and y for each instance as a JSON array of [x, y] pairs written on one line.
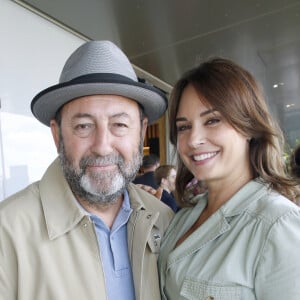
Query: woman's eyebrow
[[181, 119], [206, 112]]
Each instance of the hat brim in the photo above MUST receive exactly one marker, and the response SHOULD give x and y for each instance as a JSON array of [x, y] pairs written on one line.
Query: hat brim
[[45, 105]]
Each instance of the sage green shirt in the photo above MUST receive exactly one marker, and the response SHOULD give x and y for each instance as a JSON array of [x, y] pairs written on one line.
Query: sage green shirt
[[248, 249]]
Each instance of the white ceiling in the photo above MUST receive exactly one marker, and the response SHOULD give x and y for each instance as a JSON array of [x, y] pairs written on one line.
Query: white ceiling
[[167, 37]]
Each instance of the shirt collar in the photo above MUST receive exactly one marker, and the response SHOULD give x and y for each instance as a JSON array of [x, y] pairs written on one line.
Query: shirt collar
[[125, 204], [121, 218], [250, 192]]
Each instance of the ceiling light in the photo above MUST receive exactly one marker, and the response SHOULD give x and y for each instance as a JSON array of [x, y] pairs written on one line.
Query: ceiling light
[[290, 105], [276, 85]]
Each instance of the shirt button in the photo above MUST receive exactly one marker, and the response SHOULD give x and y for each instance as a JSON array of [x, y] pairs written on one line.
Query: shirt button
[[209, 298]]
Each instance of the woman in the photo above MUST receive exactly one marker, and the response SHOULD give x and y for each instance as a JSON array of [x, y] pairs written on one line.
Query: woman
[[241, 239]]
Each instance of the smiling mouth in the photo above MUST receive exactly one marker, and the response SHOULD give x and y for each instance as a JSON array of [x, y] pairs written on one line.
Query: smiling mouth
[[103, 167], [204, 156]]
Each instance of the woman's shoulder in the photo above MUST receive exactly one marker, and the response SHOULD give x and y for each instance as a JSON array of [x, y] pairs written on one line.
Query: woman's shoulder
[[273, 206]]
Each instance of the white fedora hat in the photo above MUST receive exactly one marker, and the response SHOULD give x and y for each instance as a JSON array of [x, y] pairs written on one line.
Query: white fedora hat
[[98, 67]]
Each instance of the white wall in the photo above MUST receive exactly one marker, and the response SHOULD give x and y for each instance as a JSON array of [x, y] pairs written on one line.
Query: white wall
[[32, 53]]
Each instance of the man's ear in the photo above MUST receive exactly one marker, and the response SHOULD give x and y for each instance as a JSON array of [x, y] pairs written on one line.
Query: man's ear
[[55, 132], [144, 127]]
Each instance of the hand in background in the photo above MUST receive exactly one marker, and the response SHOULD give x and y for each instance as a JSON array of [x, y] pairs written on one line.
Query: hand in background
[[155, 192]]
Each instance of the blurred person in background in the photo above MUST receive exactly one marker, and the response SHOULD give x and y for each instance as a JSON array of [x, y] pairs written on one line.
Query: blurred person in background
[[165, 176], [295, 167], [146, 177]]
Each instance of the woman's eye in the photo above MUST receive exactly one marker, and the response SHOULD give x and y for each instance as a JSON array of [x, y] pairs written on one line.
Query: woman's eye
[[213, 121], [181, 128]]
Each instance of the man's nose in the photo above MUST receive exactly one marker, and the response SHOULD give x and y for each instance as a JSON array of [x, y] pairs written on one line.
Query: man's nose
[[102, 141]]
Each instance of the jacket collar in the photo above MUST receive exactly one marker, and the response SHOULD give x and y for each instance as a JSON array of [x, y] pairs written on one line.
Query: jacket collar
[[61, 210], [135, 197]]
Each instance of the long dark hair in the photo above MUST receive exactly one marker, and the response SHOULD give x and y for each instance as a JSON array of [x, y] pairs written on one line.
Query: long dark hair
[[234, 92]]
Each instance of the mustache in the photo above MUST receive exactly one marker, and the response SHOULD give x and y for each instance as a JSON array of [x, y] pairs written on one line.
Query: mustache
[[101, 160]]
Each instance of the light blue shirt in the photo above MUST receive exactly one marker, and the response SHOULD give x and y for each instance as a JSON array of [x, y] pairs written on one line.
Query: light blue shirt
[[114, 254]]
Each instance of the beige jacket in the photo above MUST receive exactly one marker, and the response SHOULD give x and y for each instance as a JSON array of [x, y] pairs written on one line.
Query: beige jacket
[[49, 249]]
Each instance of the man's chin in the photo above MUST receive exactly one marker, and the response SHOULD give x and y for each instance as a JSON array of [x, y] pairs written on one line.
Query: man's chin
[[103, 199], [102, 187]]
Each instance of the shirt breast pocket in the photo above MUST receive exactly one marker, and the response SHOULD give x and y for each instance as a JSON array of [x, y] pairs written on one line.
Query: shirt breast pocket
[[193, 289]]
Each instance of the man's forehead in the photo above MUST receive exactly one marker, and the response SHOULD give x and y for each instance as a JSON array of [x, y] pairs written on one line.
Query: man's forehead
[[103, 102], [112, 115]]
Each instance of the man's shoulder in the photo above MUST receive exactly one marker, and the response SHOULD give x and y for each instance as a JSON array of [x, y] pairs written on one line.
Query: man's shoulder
[[25, 202], [19, 197], [29, 197]]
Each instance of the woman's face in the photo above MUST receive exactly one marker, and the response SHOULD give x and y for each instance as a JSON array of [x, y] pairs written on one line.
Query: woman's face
[[208, 146]]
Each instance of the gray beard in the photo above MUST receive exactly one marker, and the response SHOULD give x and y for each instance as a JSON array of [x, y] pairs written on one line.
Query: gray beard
[[101, 188]]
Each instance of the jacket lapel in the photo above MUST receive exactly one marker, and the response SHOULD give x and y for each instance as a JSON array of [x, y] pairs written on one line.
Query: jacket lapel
[[60, 208]]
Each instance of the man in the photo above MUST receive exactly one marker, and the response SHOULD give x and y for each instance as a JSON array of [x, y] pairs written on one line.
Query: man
[[165, 176], [84, 231], [150, 164]]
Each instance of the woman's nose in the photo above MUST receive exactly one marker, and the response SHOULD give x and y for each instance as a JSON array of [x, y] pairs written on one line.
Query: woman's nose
[[197, 137]]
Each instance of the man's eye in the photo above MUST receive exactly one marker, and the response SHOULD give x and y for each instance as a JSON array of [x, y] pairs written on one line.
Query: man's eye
[[119, 129], [82, 126], [121, 125], [84, 130]]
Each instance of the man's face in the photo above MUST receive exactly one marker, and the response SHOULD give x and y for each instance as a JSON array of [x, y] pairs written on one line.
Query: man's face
[[100, 144]]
